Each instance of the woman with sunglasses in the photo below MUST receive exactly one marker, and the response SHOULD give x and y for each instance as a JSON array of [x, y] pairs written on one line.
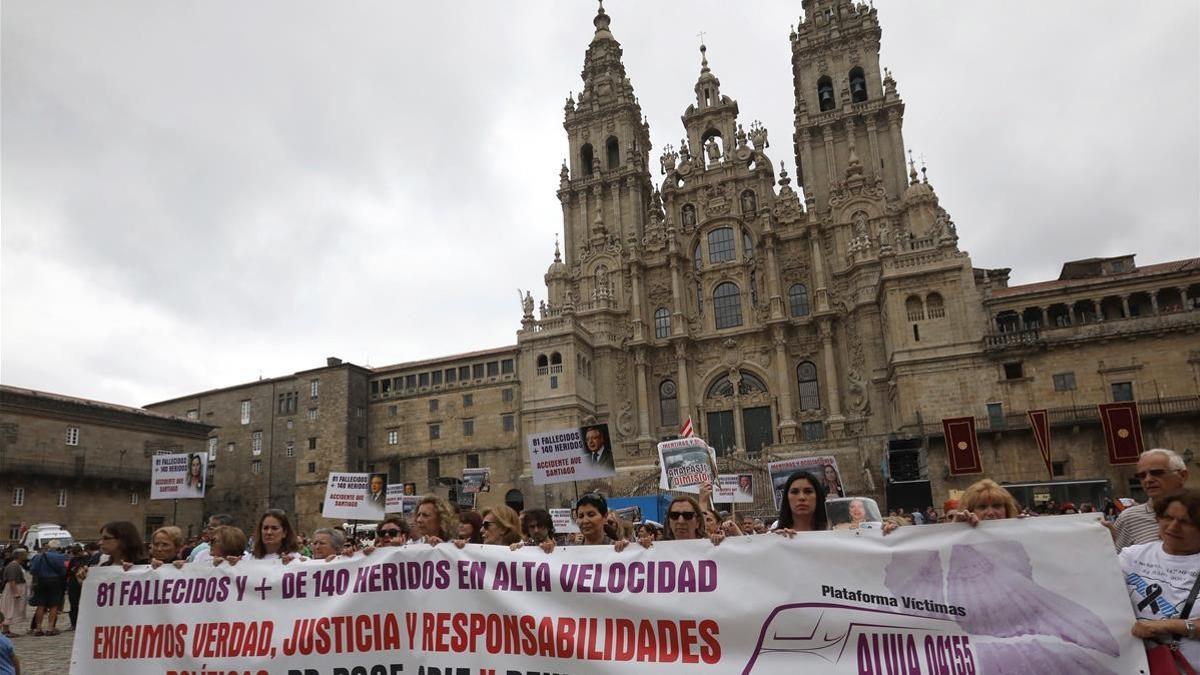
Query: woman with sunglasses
[[685, 520], [501, 526]]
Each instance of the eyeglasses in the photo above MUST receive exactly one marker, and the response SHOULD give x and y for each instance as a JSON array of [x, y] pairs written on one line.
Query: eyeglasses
[[686, 515], [1153, 473], [387, 534], [106, 537], [488, 523]]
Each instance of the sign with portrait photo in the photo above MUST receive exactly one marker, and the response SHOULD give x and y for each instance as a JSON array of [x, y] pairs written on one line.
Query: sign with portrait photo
[[735, 488], [686, 464], [475, 481], [571, 454], [563, 522], [178, 476], [355, 496], [824, 467]]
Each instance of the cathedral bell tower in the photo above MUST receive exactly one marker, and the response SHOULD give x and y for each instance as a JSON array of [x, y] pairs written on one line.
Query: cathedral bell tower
[[605, 186], [848, 114]]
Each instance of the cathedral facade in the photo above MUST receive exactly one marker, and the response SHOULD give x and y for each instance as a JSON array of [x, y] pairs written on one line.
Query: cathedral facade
[[826, 310]]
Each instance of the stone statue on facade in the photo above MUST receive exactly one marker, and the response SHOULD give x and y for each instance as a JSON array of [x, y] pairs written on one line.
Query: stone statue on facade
[[714, 150], [526, 303]]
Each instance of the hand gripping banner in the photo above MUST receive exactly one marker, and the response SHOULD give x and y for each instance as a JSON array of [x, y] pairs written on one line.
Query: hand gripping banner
[[1007, 596], [962, 447], [1122, 431]]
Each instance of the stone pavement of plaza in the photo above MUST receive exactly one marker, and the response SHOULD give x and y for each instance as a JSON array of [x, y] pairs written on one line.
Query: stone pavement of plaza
[[46, 655]]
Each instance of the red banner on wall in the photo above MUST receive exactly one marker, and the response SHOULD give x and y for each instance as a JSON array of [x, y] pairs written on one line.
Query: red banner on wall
[[1122, 431], [962, 447], [1039, 421]]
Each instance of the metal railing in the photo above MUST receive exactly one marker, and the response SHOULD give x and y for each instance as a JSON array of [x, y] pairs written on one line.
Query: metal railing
[[1078, 414]]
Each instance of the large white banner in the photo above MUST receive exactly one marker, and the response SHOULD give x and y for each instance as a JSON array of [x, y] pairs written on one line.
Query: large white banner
[[178, 476], [1005, 597]]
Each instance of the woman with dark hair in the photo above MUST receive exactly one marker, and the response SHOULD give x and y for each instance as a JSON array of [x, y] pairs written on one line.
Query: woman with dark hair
[[1162, 580], [833, 486], [802, 508], [274, 537], [195, 478], [123, 545], [470, 526]]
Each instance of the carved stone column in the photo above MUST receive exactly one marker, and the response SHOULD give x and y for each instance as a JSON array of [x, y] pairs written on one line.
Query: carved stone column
[[1183, 296], [783, 385], [1125, 306], [830, 157], [677, 298], [739, 431], [821, 292], [832, 391], [684, 389], [639, 360], [873, 141], [774, 294], [639, 323]]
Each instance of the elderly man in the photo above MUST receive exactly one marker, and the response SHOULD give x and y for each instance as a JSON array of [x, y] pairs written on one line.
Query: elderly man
[[1160, 472], [327, 542]]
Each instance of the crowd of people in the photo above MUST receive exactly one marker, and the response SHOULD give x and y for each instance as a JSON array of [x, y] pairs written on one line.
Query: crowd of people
[[1157, 543]]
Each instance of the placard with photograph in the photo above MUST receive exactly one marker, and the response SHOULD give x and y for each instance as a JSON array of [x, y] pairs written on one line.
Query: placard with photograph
[[477, 480], [355, 496], [734, 488], [178, 476], [563, 522], [571, 454], [823, 467], [686, 464]]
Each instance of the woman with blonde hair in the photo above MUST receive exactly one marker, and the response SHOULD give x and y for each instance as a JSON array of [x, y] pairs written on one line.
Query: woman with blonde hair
[[501, 526], [165, 544], [434, 520], [986, 500]]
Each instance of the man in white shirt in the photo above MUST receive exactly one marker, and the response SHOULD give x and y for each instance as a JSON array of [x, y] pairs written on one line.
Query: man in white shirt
[[1160, 472]]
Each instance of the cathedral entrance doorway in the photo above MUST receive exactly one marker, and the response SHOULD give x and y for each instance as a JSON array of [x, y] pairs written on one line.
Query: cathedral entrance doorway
[[738, 416]]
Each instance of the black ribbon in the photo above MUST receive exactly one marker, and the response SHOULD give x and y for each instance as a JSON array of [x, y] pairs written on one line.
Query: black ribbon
[[1153, 591]]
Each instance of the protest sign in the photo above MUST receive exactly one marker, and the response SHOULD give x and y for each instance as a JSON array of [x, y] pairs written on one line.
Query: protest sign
[[177, 476], [629, 514], [477, 480], [395, 498], [937, 600], [357, 496], [686, 464], [563, 522], [824, 467], [737, 488], [571, 454]]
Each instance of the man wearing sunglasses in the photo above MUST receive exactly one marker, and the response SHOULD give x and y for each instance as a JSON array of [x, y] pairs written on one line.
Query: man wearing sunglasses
[[1160, 472], [393, 531]]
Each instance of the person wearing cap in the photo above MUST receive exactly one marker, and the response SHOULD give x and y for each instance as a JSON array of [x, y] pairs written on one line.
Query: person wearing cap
[[49, 571]]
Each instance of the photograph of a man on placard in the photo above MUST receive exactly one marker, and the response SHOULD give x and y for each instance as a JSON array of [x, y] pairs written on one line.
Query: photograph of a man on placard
[[377, 489], [596, 447]]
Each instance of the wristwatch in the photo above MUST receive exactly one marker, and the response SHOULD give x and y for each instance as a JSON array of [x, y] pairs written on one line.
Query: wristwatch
[[1191, 628]]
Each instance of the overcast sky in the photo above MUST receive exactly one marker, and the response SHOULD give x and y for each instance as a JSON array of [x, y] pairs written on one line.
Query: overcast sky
[[195, 194]]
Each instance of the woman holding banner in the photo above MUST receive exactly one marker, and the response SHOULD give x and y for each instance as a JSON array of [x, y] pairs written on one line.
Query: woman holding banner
[[803, 506], [435, 521], [1163, 578], [501, 526], [685, 520], [274, 537]]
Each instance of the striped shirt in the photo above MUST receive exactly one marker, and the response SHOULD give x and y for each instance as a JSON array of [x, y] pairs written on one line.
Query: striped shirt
[[1137, 525]]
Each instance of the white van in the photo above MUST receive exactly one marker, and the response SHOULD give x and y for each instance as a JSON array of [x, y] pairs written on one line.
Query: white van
[[41, 534]]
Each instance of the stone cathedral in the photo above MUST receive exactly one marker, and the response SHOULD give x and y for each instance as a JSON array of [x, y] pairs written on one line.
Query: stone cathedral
[[825, 310]]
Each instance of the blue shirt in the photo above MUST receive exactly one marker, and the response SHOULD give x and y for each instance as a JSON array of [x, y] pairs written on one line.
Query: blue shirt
[[6, 656]]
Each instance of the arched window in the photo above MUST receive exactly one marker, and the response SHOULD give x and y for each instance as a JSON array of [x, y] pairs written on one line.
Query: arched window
[[720, 245], [727, 306], [585, 159], [555, 359], [825, 94], [798, 300], [748, 384], [662, 323], [612, 150], [915, 308], [810, 391], [542, 362], [668, 404], [747, 245], [934, 306], [858, 85]]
